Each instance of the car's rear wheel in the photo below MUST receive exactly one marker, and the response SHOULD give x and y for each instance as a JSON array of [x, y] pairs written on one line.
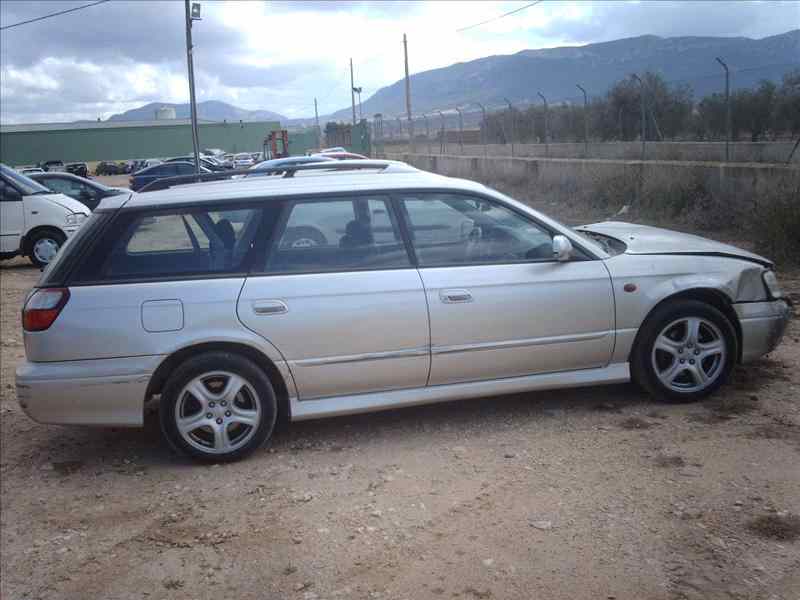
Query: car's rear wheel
[[218, 406], [685, 351], [44, 245]]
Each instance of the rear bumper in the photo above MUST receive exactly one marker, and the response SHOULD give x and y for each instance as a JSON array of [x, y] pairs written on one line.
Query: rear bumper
[[763, 325], [107, 392]]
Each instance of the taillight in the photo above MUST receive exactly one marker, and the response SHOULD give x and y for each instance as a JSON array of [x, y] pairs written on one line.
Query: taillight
[[43, 307]]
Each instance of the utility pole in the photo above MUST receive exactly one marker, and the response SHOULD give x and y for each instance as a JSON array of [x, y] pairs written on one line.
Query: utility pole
[[352, 92], [511, 113], [546, 127], [585, 121], [644, 118], [316, 120], [727, 109], [408, 97], [192, 14]]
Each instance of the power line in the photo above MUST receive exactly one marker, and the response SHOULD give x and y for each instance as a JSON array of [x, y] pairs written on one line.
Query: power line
[[516, 10], [55, 14]]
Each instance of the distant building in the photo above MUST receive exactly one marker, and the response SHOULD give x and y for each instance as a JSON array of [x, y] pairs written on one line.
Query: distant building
[[165, 113], [126, 140]]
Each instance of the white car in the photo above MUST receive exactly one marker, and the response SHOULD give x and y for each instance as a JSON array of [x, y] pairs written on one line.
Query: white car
[[34, 222], [243, 160]]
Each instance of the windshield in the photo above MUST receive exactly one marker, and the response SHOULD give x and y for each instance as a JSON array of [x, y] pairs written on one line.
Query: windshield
[[25, 184]]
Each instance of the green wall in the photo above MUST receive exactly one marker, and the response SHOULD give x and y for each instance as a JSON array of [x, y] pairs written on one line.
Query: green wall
[[153, 141], [124, 143]]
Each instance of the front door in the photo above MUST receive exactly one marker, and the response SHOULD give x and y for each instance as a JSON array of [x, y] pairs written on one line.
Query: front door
[[12, 217], [340, 299], [500, 305]]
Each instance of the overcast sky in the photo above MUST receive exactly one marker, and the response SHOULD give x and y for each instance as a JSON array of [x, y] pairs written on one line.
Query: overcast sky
[[280, 55]]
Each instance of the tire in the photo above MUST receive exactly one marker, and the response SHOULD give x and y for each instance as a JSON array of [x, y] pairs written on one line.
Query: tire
[[43, 246], [230, 388], [303, 236], [677, 366]]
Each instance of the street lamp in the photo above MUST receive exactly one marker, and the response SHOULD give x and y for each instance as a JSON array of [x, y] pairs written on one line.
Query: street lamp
[[192, 14]]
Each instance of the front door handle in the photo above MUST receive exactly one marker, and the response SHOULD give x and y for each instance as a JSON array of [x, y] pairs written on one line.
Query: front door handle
[[270, 307], [455, 296]]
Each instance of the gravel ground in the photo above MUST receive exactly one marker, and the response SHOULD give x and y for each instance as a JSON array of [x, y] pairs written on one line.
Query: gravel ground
[[592, 493]]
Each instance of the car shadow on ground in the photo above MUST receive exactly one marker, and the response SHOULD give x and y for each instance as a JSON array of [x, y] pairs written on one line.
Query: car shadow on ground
[[94, 447]]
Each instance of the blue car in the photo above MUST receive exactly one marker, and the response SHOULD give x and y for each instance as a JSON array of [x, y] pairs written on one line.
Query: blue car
[[170, 169]]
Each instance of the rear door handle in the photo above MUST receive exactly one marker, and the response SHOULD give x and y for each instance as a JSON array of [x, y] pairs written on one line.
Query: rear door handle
[[455, 296], [270, 307]]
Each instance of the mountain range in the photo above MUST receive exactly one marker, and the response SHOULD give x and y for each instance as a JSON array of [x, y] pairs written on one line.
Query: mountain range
[[210, 110], [554, 72]]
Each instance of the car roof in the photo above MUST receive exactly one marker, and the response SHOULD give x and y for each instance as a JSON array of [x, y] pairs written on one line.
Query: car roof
[[321, 182]]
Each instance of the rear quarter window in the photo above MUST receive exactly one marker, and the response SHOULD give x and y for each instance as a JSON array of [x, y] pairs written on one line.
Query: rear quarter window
[[57, 271], [188, 242]]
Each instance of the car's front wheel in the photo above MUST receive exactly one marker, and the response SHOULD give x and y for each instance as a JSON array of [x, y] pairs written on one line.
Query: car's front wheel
[[684, 352], [218, 406], [44, 245]]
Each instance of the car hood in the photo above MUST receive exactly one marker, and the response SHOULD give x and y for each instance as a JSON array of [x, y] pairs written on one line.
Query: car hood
[[70, 204], [643, 239]]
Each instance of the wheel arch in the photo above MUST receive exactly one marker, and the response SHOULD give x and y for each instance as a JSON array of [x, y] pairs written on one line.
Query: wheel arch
[[710, 296], [25, 243], [170, 363]]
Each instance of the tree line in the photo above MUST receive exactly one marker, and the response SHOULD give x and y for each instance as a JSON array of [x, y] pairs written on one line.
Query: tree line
[[767, 112]]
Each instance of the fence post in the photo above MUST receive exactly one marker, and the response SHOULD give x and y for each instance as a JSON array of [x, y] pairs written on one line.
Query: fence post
[[727, 109], [546, 125], [443, 144], [642, 108], [585, 122], [511, 113], [460, 130], [484, 127], [427, 131]]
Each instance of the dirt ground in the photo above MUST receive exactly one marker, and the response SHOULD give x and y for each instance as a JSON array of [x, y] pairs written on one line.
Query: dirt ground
[[596, 493]]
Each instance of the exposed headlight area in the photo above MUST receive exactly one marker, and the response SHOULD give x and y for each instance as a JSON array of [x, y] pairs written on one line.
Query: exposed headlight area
[[772, 285], [75, 219]]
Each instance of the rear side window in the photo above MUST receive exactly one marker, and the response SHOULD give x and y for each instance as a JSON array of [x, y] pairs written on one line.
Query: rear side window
[[56, 272], [337, 235], [146, 245]]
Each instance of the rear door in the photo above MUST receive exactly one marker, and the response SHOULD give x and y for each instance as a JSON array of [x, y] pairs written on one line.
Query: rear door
[[339, 298], [500, 305]]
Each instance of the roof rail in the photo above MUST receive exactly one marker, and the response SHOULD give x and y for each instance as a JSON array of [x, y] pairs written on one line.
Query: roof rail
[[287, 171]]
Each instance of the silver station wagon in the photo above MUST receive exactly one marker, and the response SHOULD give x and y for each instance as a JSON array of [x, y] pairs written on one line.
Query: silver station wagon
[[369, 285]]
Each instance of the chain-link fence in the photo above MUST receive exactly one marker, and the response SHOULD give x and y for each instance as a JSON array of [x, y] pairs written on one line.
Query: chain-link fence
[[639, 118]]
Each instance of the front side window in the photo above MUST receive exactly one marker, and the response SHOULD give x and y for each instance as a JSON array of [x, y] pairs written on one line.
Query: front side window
[[189, 242], [337, 235], [65, 186], [452, 229]]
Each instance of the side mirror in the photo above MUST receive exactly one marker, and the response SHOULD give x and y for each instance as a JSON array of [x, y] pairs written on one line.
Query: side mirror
[[562, 248]]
